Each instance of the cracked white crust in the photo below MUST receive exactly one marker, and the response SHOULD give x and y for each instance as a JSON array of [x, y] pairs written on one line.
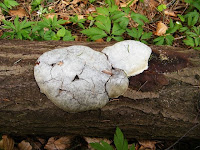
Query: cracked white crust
[[130, 56], [74, 78]]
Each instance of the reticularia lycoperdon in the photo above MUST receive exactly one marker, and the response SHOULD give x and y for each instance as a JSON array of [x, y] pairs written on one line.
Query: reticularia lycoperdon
[[77, 78]]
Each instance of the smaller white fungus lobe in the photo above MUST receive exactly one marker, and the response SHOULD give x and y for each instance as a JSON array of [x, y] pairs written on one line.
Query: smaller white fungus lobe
[[117, 84], [130, 56]]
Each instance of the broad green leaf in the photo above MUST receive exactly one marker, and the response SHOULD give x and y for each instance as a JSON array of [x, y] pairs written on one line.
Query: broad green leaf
[[119, 139], [189, 41], [55, 38], [19, 35], [197, 41], [181, 17], [10, 3], [97, 146], [117, 30], [192, 18], [4, 7], [61, 32], [126, 10], [159, 40], [117, 14], [48, 35], [139, 32], [74, 19], [169, 39], [103, 11], [183, 29], [81, 25], [109, 38], [132, 33], [197, 48], [162, 7], [94, 33], [16, 23], [103, 23], [132, 147], [118, 38], [106, 146], [68, 36], [8, 23], [191, 34], [146, 35], [125, 145], [140, 19]]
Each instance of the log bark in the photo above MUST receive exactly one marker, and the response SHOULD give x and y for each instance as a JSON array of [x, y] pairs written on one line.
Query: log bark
[[161, 103]]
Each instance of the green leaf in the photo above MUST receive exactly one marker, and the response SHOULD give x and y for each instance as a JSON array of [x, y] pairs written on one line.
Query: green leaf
[[181, 18], [16, 23], [119, 139], [118, 38], [97, 146], [189, 41], [81, 25], [140, 19], [94, 33], [197, 48], [159, 40], [68, 36], [139, 32], [117, 14], [48, 35], [162, 7], [132, 32], [10, 3], [196, 41], [191, 34], [74, 19], [169, 39], [109, 38], [61, 32], [192, 18], [117, 30], [4, 7], [126, 10], [146, 35], [106, 146], [183, 29], [10, 24], [103, 11], [132, 147], [103, 23]]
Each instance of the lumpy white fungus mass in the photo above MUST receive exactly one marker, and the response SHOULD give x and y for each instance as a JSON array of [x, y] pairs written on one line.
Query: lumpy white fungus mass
[[77, 78]]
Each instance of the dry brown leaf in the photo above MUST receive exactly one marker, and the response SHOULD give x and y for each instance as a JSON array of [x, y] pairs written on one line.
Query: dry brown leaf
[[7, 143], [169, 13], [75, 1], [145, 144], [51, 15], [21, 12], [130, 1], [24, 145], [117, 2], [161, 29], [60, 144], [95, 140], [1, 15], [99, 40], [91, 9]]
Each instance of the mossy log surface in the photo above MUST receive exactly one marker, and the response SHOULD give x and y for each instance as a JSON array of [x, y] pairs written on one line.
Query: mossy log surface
[[161, 103]]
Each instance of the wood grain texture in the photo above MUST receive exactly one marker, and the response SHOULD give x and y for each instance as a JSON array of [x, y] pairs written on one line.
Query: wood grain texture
[[162, 102]]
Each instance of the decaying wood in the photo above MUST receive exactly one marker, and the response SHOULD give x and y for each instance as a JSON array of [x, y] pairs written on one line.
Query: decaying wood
[[162, 102]]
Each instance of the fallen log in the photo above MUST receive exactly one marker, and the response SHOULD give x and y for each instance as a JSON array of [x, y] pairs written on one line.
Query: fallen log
[[161, 103]]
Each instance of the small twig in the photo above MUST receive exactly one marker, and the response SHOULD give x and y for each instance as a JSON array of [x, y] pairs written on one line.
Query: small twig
[[183, 136], [17, 61], [179, 37]]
